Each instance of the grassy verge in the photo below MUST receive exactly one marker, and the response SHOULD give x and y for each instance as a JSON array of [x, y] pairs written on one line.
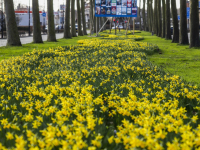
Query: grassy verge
[[174, 58], [10, 51]]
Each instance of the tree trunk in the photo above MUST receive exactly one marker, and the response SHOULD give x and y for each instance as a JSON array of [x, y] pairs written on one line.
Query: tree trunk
[[91, 17], [148, 8], [163, 20], [95, 27], [97, 24], [51, 27], [151, 15], [83, 17], [175, 22], [144, 15], [67, 33], [167, 20], [104, 21], [159, 33], [73, 29], [183, 35], [194, 23], [11, 25], [37, 38], [139, 12], [80, 33], [155, 22]]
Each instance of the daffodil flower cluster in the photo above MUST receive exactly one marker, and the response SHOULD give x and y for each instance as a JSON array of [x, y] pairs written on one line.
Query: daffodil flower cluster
[[99, 94]]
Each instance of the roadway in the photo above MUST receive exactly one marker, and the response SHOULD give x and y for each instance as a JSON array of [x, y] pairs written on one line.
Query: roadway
[[29, 39]]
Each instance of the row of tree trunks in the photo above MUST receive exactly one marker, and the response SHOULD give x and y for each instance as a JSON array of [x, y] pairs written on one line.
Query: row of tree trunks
[[161, 27]]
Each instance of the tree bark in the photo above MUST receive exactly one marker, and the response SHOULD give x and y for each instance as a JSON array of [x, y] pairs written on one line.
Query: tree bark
[[73, 29], [139, 12], [175, 22], [11, 25], [163, 20], [151, 15], [159, 33], [144, 15], [37, 38], [67, 33], [194, 23], [155, 17], [83, 17], [80, 33], [167, 20], [91, 17], [183, 35], [51, 27], [148, 15], [104, 21]]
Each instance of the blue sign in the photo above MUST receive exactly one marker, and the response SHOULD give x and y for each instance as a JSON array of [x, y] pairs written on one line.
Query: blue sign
[[115, 8], [44, 14], [179, 17], [188, 12], [199, 4]]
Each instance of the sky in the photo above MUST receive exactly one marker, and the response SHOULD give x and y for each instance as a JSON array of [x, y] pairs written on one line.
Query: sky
[[57, 3], [42, 3]]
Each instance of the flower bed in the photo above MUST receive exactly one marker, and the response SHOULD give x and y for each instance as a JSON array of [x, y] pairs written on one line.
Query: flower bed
[[95, 95]]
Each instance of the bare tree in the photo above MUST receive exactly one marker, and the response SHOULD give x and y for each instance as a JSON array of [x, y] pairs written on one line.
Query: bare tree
[[11, 25], [194, 23], [175, 22], [83, 17], [80, 33], [37, 37], [51, 27], [73, 29], [67, 33], [183, 35]]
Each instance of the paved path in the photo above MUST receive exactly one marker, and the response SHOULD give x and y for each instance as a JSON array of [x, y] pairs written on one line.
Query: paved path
[[29, 39]]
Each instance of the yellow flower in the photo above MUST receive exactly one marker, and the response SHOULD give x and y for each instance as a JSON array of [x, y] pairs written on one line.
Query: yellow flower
[[9, 136], [110, 140]]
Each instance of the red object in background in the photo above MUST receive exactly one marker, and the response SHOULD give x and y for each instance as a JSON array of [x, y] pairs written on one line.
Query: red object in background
[[117, 21], [125, 21], [114, 20]]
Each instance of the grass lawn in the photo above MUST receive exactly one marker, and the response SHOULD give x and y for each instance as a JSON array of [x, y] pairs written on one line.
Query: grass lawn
[[174, 58], [9, 51]]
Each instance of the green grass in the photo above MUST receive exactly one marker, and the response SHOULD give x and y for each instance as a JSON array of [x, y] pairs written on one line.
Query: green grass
[[174, 58], [10, 51]]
